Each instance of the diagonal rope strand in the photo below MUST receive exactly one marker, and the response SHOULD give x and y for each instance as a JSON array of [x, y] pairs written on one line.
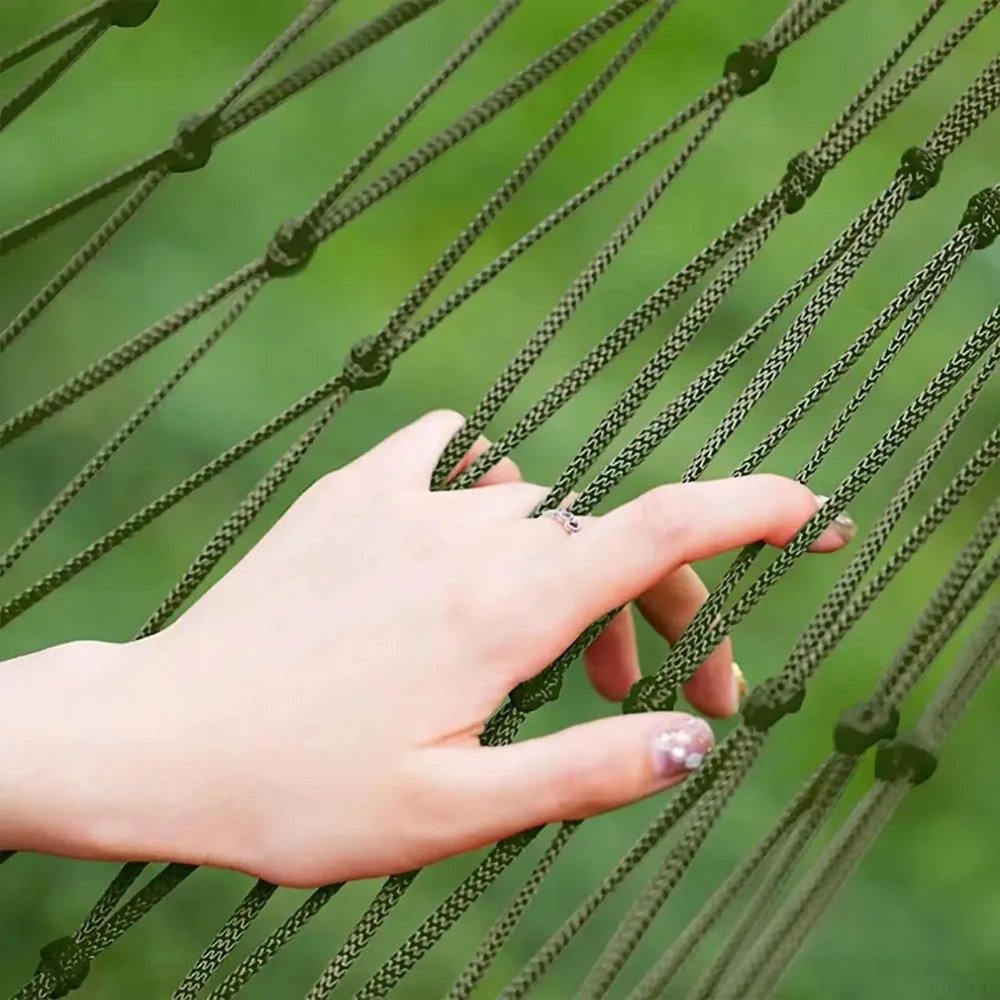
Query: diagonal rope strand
[[244, 114], [51, 75], [67, 26]]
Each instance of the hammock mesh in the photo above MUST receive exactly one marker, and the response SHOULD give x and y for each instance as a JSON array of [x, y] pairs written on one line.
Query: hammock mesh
[[778, 897]]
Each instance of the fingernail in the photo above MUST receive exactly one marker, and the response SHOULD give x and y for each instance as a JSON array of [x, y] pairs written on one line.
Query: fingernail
[[739, 687], [681, 749], [843, 524]]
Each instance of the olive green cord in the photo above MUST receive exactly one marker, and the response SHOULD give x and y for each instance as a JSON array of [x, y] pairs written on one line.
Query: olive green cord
[[191, 151], [765, 855], [774, 952], [224, 941], [504, 925], [796, 669], [300, 236], [67, 26], [802, 179], [696, 806], [245, 114], [45, 80], [94, 466]]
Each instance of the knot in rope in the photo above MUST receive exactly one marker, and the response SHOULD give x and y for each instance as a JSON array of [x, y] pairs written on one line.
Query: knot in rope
[[532, 694], [193, 143], [290, 250], [64, 960], [367, 364], [910, 757], [922, 168], [128, 13], [802, 179], [752, 64], [648, 695], [771, 701], [983, 213], [864, 725]]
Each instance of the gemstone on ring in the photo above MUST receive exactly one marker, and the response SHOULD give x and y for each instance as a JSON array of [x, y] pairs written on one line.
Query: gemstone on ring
[[569, 521]]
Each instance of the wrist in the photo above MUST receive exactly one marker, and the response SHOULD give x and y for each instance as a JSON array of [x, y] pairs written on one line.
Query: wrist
[[65, 761]]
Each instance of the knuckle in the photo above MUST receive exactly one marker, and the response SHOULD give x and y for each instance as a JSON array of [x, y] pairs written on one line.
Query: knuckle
[[658, 515]]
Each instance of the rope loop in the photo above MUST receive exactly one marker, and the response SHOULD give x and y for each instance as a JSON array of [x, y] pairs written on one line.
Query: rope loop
[[802, 180], [129, 13], [64, 960], [983, 213], [290, 250], [771, 701], [367, 364], [752, 64], [910, 757], [193, 143], [862, 726], [647, 695], [922, 168]]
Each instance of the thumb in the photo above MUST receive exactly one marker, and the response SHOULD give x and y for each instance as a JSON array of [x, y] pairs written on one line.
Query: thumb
[[573, 774], [408, 457]]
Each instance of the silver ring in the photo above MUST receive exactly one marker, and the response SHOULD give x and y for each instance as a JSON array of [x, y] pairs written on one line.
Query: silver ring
[[568, 520]]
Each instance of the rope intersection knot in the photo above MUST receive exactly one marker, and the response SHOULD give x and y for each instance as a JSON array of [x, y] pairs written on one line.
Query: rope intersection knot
[[922, 168], [290, 250], [862, 726], [752, 64], [802, 180], [983, 213], [911, 757], [367, 365], [64, 960], [129, 13], [771, 701], [192, 146], [531, 695]]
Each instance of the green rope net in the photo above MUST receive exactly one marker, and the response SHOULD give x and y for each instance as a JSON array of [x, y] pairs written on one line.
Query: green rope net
[[779, 912]]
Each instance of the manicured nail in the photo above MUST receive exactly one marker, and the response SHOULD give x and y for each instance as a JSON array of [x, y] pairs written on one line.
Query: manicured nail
[[843, 524], [681, 749], [739, 687]]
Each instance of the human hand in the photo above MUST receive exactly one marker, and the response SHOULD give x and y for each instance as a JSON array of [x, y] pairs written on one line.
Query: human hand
[[315, 716]]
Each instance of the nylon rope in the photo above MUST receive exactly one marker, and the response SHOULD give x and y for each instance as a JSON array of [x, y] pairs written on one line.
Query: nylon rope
[[51, 75], [301, 236], [58, 31], [819, 645], [734, 746], [922, 404], [191, 151], [878, 708], [243, 115], [801, 912], [477, 38], [477, 877], [237, 309], [707, 793], [795, 186]]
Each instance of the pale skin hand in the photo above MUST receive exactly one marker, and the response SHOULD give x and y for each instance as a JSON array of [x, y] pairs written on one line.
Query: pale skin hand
[[315, 716]]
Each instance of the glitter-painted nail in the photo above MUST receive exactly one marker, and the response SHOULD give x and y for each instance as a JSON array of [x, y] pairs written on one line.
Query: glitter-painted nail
[[681, 749], [842, 524]]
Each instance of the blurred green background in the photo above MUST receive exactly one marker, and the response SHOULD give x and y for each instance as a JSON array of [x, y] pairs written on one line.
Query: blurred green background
[[921, 916]]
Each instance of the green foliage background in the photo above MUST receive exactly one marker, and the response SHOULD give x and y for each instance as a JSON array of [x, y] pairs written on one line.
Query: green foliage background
[[921, 917]]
